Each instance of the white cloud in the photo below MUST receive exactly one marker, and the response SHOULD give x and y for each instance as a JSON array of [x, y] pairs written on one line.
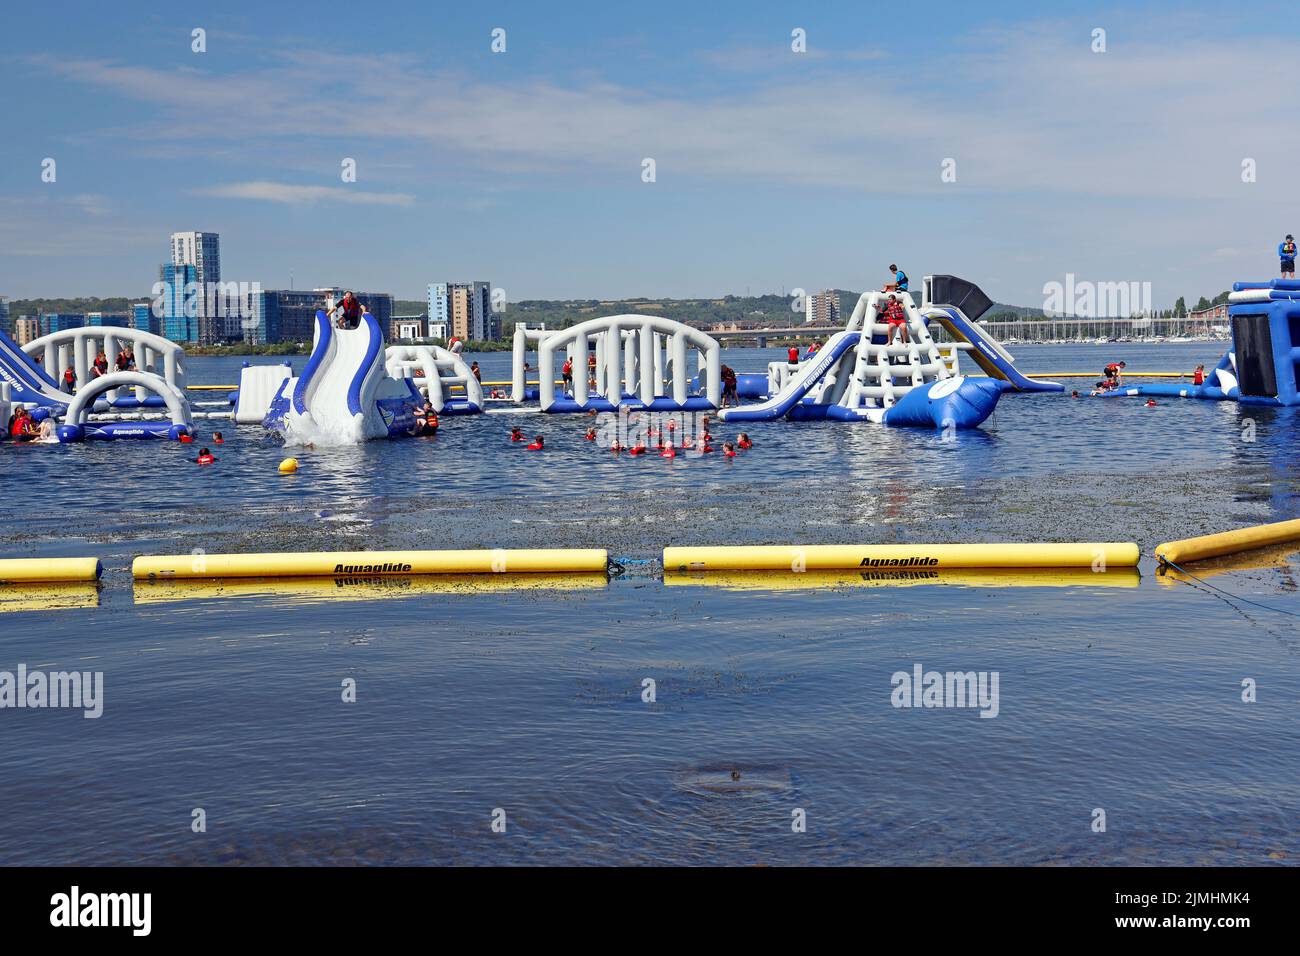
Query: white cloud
[[268, 191], [1035, 111]]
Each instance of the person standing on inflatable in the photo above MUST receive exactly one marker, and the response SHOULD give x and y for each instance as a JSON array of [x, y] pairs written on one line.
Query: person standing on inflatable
[[1286, 252], [351, 317], [793, 356]]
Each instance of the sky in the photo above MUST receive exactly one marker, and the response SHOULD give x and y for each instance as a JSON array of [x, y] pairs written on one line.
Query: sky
[[1167, 157]]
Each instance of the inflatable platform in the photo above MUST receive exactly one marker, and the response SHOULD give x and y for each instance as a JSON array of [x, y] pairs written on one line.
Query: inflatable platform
[[1262, 366], [859, 376]]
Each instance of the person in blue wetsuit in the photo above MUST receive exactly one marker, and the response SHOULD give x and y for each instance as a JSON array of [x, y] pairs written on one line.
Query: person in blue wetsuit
[[1286, 252], [900, 278]]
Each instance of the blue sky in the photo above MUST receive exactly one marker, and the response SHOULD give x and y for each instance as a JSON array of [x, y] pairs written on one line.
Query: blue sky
[[774, 170]]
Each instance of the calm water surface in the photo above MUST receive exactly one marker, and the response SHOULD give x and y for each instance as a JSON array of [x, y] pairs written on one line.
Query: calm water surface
[[1123, 694]]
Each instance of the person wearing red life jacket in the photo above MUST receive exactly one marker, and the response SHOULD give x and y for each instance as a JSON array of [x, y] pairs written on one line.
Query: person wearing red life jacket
[[793, 356], [1198, 377], [351, 311], [517, 434], [538, 444], [205, 457], [743, 442], [729, 449]]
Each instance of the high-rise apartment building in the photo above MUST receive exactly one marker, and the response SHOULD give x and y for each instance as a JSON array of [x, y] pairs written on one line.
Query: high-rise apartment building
[[465, 308], [180, 305], [202, 250], [26, 329], [822, 308], [4, 314]]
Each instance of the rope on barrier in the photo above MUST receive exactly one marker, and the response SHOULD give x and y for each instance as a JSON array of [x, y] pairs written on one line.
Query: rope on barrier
[[1235, 597]]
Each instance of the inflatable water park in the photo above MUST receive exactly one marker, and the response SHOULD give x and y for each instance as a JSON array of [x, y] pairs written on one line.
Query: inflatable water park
[[885, 367]]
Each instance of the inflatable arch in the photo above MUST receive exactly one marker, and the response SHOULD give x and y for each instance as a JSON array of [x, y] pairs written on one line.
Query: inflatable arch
[[75, 426], [78, 348], [439, 371], [641, 362]]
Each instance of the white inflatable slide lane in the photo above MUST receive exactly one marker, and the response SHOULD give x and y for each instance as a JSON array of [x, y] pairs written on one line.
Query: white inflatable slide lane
[[333, 400]]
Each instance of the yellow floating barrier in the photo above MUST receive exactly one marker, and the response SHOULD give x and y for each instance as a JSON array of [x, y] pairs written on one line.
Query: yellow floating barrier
[[319, 590], [900, 557], [56, 596], [1096, 375], [25, 570], [369, 563], [1228, 542], [959, 577]]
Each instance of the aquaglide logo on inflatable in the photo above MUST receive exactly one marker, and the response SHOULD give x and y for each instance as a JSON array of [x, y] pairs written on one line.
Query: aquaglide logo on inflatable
[[386, 568], [921, 562]]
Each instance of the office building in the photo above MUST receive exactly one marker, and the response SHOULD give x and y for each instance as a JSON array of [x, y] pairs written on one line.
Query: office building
[[202, 251], [180, 297], [822, 308], [60, 321], [465, 308], [4, 314], [283, 315], [117, 319], [143, 319]]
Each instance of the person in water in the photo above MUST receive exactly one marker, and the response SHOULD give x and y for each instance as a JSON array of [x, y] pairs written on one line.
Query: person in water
[[538, 443], [205, 457], [729, 449], [744, 442], [1286, 252], [351, 311], [21, 425], [591, 435], [427, 419], [616, 446], [217, 439], [1198, 377], [517, 434]]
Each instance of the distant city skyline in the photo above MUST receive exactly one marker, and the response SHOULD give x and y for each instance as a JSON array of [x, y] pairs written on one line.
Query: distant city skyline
[[691, 154]]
